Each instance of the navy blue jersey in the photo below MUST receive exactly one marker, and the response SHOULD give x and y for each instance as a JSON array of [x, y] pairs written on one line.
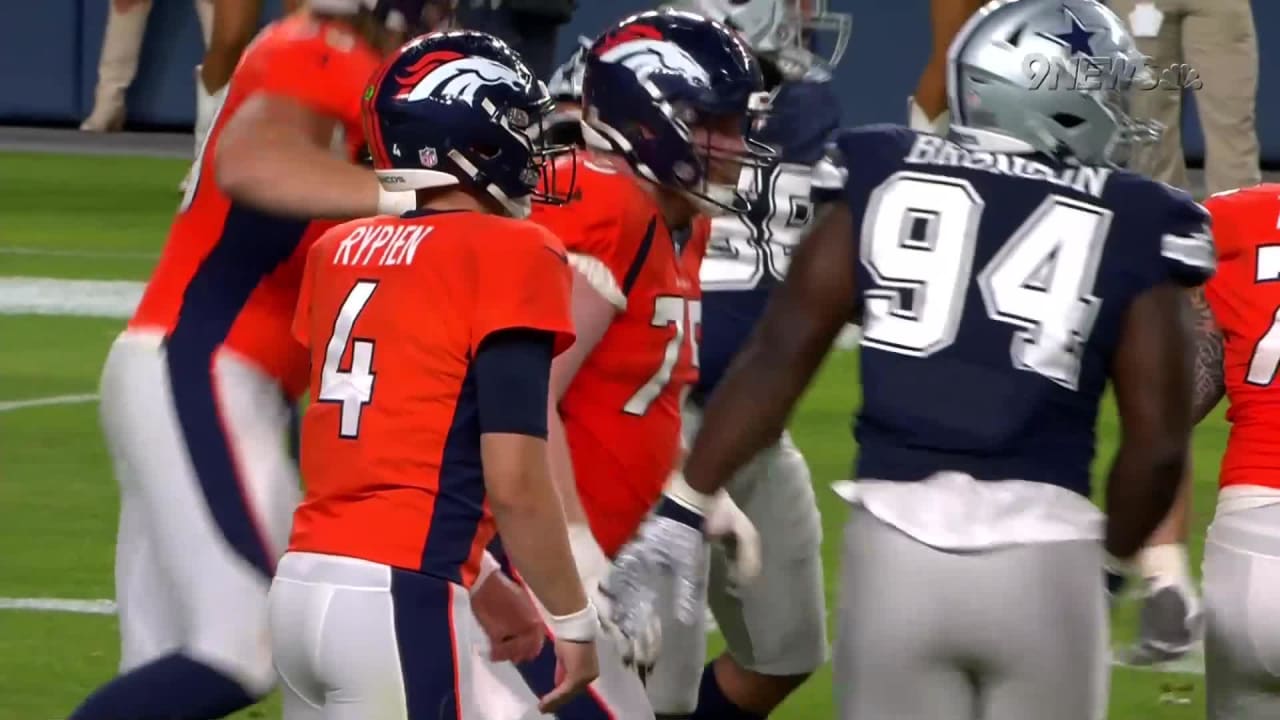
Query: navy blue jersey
[[994, 288], [749, 253]]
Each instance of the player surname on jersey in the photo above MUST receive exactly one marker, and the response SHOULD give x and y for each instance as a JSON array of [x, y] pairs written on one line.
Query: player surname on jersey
[[397, 243], [934, 150]]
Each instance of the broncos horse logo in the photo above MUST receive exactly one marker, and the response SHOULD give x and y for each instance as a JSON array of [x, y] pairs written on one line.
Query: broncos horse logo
[[645, 56], [450, 75]]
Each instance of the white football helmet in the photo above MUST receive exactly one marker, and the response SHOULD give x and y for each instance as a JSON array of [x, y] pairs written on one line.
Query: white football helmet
[[782, 31]]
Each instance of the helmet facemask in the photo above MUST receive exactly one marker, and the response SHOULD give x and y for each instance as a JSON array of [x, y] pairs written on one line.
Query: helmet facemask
[[796, 36], [723, 149], [538, 181]]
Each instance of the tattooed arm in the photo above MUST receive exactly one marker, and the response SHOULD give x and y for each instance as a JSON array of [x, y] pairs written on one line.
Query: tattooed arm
[[1209, 382]]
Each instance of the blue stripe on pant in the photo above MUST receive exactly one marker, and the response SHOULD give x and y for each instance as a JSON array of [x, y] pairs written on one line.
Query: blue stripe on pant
[[424, 621], [191, 379], [252, 245], [540, 675]]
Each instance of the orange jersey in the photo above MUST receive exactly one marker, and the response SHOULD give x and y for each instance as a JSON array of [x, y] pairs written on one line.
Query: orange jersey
[[622, 410], [1245, 298], [392, 311], [229, 274]]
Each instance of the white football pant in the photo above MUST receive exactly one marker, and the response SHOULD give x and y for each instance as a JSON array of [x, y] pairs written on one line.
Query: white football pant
[[1011, 633], [207, 492], [358, 640], [777, 624], [1241, 587]]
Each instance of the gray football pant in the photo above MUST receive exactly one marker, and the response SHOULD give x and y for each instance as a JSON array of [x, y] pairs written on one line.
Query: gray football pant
[[1242, 615], [1007, 634]]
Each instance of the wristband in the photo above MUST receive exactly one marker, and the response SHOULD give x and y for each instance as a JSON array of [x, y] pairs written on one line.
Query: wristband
[[396, 202], [488, 566], [1164, 564], [581, 626], [678, 490]]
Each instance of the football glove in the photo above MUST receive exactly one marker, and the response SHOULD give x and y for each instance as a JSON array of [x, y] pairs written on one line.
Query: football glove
[[638, 637], [1115, 577], [1170, 618], [731, 529], [670, 542]]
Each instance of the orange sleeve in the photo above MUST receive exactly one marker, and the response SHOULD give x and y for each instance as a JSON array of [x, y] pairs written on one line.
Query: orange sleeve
[[523, 283], [302, 314], [1222, 211], [326, 72]]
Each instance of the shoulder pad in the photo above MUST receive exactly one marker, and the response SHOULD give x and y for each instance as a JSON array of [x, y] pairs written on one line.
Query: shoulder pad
[[1187, 242]]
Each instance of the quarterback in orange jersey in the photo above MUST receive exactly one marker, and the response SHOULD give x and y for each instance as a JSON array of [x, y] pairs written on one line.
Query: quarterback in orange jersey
[[1238, 354], [198, 390], [666, 98], [431, 337]]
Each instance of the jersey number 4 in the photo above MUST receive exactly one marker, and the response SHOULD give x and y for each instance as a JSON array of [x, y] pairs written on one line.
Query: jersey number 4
[[918, 244], [668, 311], [351, 388]]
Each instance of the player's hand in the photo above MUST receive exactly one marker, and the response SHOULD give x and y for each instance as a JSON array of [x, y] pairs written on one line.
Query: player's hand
[[1115, 577], [639, 641], [577, 663], [669, 542], [508, 617], [1169, 621], [731, 529]]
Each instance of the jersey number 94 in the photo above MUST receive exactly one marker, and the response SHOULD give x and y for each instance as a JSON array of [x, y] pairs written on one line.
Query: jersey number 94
[[918, 245]]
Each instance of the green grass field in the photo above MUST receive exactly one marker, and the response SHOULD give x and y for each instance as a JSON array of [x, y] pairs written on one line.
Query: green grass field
[[105, 218]]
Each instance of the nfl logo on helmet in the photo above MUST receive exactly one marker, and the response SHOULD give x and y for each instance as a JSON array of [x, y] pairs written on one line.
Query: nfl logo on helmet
[[427, 156]]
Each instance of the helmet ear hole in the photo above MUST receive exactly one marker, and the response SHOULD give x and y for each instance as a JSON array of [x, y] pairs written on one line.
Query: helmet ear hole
[[488, 152], [1067, 120]]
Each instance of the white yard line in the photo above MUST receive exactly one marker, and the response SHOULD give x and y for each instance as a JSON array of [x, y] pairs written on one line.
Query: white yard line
[[64, 605], [78, 253], [80, 399], [78, 298]]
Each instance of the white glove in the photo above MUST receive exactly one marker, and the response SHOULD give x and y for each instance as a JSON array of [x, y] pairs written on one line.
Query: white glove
[[729, 527], [638, 637], [1170, 617], [670, 545]]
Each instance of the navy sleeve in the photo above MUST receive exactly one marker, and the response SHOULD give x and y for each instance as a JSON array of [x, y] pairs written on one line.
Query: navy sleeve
[[1165, 233], [1186, 247], [512, 371]]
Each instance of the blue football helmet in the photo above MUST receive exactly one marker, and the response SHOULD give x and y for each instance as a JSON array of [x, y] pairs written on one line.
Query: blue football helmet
[[654, 77], [461, 108]]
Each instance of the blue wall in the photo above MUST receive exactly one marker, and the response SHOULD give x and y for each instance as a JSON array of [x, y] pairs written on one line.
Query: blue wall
[[49, 54]]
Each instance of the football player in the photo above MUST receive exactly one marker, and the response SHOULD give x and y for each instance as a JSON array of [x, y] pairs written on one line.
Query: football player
[[1005, 275], [198, 390], [775, 627], [1238, 351], [927, 108], [665, 103], [564, 126], [233, 25], [428, 432]]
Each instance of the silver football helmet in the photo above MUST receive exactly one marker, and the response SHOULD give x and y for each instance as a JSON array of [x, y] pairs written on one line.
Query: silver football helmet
[[566, 81], [561, 127], [781, 30], [1054, 74]]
